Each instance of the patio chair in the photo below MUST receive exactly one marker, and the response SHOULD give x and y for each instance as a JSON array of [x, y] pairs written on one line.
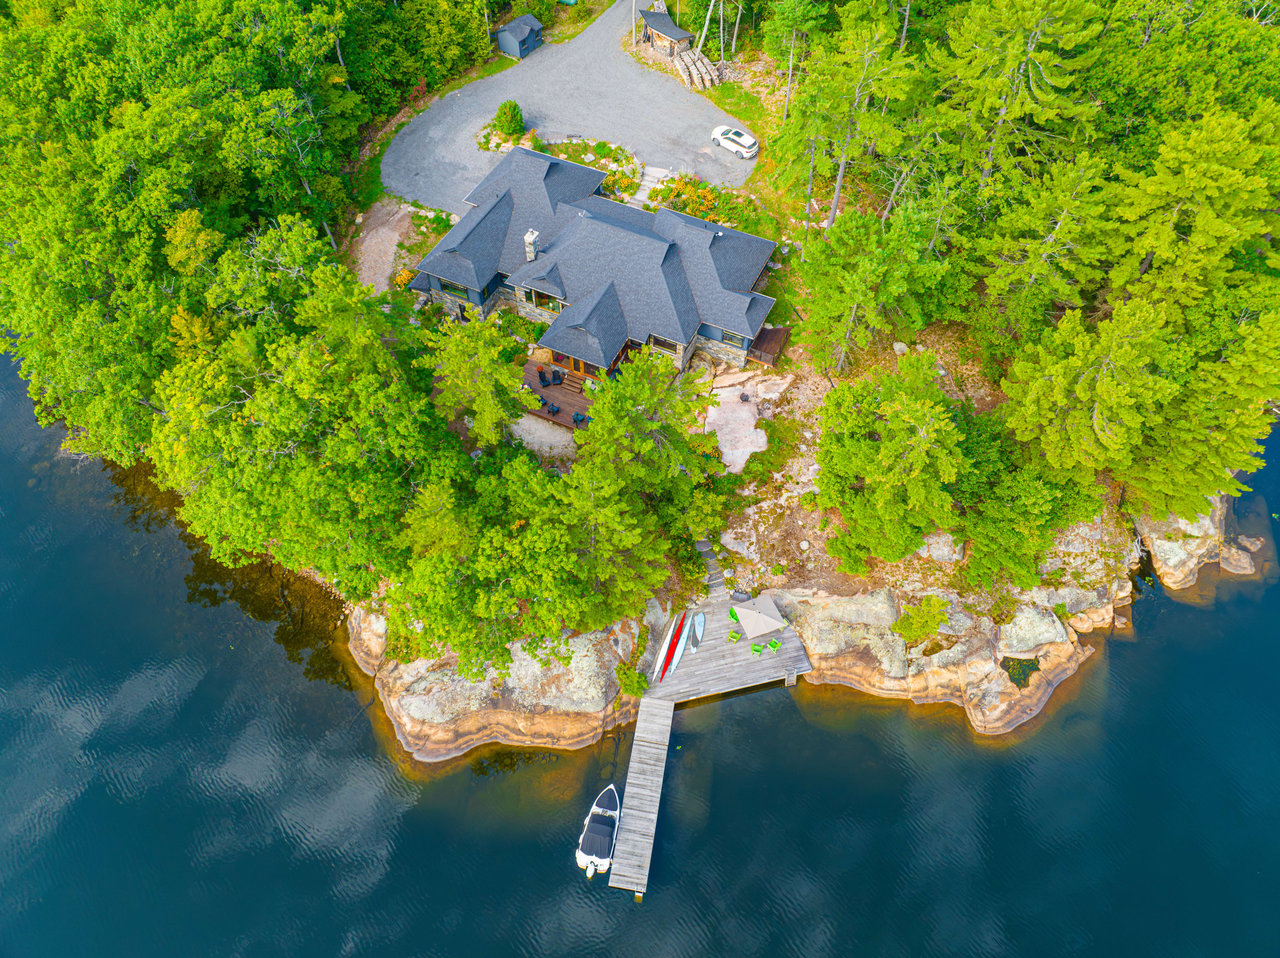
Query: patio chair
[[756, 648], [578, 418], [553, 409], [542, 378], [774, 645], [733, 614], [734, 635], [557, 377]]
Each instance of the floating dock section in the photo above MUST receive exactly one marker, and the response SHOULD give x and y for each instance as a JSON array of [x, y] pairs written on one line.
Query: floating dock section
[[719, 666]]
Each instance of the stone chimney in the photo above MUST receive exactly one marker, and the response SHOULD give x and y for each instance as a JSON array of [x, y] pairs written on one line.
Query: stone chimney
[[530, 245]]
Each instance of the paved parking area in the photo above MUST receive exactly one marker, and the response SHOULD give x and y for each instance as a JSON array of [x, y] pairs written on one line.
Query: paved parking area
[[589, 87]]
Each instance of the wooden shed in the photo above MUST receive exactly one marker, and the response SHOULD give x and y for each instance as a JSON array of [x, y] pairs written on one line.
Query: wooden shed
[[520, 37], [662, 34]]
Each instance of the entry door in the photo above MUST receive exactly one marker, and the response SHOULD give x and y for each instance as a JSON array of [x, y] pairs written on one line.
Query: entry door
[[577, 366]]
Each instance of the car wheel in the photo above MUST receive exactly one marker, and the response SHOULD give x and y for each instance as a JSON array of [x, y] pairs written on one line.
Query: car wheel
[[739, 154], [715, 141]]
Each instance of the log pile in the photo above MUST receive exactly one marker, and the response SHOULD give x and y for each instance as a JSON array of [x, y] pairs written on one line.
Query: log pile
[[696, 70]]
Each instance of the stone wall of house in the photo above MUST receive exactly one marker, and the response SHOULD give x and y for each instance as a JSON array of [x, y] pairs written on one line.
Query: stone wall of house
[[721, 352]]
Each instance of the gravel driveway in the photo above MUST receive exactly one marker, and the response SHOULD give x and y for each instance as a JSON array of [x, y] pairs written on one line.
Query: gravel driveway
[[590, 87]]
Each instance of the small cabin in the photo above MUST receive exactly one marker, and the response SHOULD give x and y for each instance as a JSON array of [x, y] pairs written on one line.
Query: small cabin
[[662, 34], [520, 37]]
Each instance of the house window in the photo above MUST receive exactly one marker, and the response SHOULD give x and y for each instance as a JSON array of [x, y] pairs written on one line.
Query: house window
[[664, 345], [543, 301], [731, 340], [454, 289]]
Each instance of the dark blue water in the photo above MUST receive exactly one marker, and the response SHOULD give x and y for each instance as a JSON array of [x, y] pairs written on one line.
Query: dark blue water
[[187, 768]]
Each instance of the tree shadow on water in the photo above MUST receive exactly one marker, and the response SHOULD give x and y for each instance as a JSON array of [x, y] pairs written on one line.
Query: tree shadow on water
[[308, 617]]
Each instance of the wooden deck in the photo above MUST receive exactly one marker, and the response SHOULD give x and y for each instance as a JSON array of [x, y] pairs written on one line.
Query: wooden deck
[[719, 666], [770, 345], [571, 396]]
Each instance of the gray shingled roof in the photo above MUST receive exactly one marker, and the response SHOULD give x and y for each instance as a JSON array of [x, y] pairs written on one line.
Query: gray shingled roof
[[521, 26], [662, 23], [593, 330], [624, 273]]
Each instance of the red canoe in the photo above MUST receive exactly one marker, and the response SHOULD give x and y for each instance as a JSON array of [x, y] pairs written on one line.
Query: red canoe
[[671, 651]]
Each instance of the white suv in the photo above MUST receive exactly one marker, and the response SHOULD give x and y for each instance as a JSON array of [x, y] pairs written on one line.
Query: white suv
[[742, 145]]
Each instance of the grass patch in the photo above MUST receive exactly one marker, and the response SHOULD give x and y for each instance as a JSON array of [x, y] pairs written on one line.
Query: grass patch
[[366, 179], [570, 21], [1020, 670], [477, 72]]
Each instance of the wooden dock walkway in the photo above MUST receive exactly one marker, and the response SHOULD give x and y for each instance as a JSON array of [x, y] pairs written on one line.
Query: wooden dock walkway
[[719, 666], [643, 792]]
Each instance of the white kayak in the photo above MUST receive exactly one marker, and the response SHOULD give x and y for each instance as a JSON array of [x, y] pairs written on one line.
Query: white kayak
[[685, 635], [699, 626], [662, 652]]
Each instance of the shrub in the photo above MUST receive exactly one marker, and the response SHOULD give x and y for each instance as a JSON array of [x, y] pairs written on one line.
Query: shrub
[[922, 621], [509, 121], [630, 682]]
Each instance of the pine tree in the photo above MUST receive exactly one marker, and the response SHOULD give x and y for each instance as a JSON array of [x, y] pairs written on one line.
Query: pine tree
[[1209, 196], [474, 372], [1007, 73], [867, 276], [889, 449], [1084, 395]]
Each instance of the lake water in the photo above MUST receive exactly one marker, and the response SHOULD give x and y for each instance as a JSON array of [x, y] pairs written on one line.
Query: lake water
[[188, 768]]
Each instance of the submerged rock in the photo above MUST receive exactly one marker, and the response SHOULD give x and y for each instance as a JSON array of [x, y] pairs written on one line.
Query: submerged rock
[[1236, 561]]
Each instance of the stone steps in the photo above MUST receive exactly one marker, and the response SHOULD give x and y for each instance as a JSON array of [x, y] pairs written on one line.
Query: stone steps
[[653, 176]]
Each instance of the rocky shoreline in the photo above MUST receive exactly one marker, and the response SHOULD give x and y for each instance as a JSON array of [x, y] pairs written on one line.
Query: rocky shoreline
[[438, 715]]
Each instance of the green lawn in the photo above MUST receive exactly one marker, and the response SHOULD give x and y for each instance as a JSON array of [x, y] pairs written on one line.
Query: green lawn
[[478, 72], [570, 21]]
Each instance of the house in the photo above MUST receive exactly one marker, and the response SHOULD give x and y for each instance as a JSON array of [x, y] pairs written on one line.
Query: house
[[662, 34], [604, 278], [520, 37]]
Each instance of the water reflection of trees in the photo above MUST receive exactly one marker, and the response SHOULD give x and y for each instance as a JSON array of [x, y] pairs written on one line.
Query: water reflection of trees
[[308, 618]]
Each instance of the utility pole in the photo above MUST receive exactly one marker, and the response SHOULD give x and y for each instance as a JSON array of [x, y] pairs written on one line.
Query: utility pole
[[633, 22]]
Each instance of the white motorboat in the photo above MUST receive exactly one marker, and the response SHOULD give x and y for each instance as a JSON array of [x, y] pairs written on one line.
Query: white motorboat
[[600, 833]]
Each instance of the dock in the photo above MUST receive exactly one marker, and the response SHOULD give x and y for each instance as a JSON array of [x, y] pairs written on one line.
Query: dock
[[718, 667]]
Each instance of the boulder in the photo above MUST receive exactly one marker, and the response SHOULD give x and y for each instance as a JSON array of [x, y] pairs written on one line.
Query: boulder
[[900, 348], [966, 673], [1252, 543], [1179, 548], [438, 714], [772, 387], [1031, 630], [368, 638], [586, 684], [875, 608], [940, 546]]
